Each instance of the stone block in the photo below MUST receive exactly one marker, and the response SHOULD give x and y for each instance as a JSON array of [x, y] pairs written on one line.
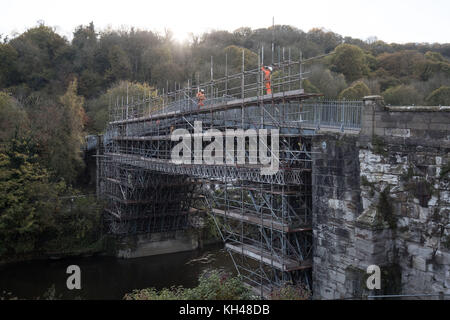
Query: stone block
[[419, 263], [398, 132]]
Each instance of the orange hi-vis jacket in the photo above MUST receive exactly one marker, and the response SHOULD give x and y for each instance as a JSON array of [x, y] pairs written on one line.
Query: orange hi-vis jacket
[[267, 83], [201, 97]]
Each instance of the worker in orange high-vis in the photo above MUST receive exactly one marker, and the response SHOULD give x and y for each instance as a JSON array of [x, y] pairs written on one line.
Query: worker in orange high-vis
[[201, 98], [267, 78]]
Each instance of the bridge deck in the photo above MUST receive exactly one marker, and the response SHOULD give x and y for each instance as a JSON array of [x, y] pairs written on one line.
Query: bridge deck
[[225, 105], [248, 172]]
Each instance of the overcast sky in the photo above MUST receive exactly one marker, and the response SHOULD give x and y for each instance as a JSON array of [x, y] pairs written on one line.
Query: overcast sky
[[398, 21]]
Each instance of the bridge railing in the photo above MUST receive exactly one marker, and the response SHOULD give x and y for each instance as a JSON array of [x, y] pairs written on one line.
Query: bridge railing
[[337, 114]]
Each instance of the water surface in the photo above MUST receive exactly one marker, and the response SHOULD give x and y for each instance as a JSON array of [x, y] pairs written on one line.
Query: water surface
[[109, 277]]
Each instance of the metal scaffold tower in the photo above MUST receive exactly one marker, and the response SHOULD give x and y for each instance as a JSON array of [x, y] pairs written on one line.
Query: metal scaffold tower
[[264, 219]]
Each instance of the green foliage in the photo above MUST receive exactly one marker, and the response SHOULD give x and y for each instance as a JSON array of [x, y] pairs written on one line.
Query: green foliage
[[290, 292], [8, 64], [13, 118], [97, 109], [401, 64], [309, 87], [42, 58], [213, 285], [379, 146], [349, 60], [58, 128], [32, 214], [439, 97], [385, 207], [329, 83], [435, 56], [234, 54], [402, 95], [23, 199], [120, 67], [356, 92]]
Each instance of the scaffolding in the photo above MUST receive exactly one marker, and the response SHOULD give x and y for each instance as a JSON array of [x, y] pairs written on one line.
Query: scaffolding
[[264, 220]]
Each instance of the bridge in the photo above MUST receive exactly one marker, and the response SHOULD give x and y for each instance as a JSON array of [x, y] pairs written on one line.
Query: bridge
[[317, 220], [265, 220]]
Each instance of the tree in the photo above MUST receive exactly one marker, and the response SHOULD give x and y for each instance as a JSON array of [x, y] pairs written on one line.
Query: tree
[[235, 58], [97, 109], [59, 129], [8, 65], [43, 58], [355, 92], [439, 97], [401, 64], [309, 87], [34, 217], [13, 118], [435, 56], [120, 68], [26, 198], [402, 95], [349, 60], [327, 82], [326, 40]]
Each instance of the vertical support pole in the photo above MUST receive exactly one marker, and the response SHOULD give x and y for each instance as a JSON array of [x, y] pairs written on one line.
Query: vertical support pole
[[261, 74], [150, 100], [301, 69], [279, 63], [117, 113], [97, 171], [273, 37], [262, 55], [243, 87], [188, 95], [226, 74], [212, 79], [175, 92], [163, 100], [289, 70], [127, 102], [261, 104]]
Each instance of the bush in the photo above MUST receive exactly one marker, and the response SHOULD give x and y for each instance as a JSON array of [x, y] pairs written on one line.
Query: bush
[[291, 292], [213, 285], [351, 61], [357, 91], [35, 218], [439, 97], [328, 83], [402, 95], [309, 87]]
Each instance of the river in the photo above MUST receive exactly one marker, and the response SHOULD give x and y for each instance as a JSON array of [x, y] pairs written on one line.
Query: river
[[108, 277]]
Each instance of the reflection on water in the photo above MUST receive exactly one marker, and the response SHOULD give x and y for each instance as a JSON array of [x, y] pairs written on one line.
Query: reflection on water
[[108, 277]]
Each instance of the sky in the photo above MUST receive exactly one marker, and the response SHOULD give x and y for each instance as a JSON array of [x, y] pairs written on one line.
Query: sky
[[399, 21]]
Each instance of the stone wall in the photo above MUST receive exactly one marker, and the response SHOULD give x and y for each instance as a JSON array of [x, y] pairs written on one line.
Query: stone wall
[[382, 197]]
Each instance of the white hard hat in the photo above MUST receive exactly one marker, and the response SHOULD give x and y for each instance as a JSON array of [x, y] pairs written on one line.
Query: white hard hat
[[202, 90], [270, 68]]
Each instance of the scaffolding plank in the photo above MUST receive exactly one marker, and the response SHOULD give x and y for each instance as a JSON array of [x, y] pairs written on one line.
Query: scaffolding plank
[[254, 219], [284, 264]]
